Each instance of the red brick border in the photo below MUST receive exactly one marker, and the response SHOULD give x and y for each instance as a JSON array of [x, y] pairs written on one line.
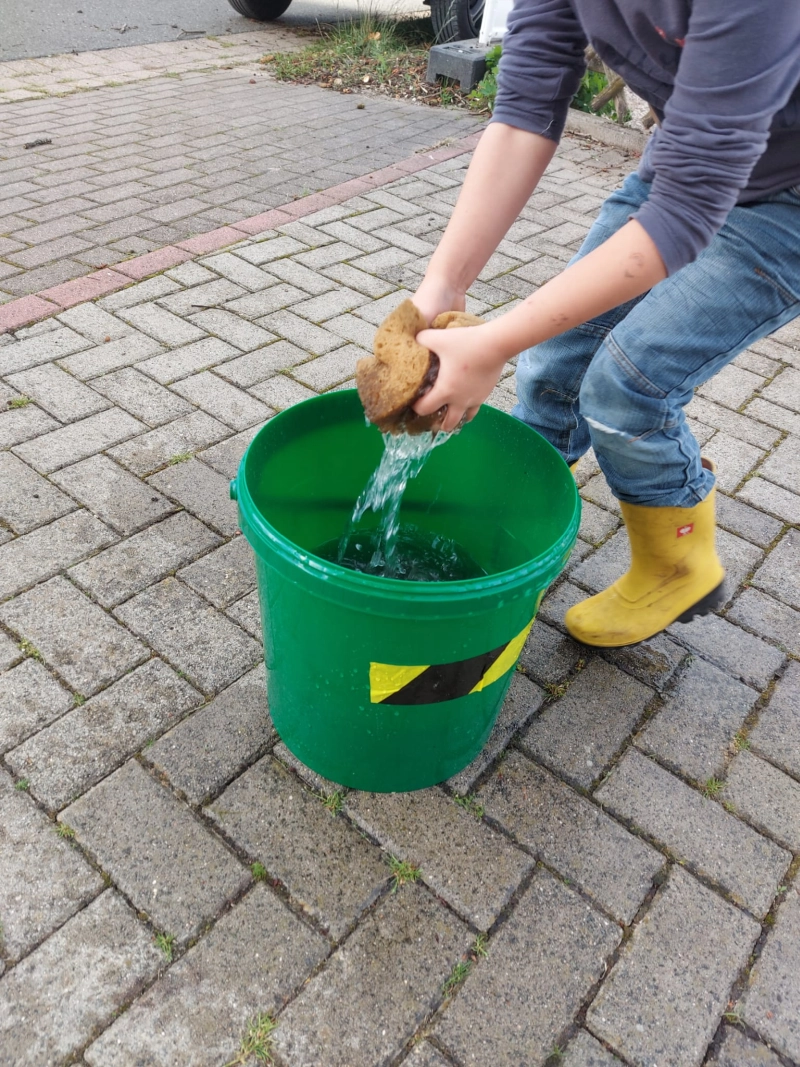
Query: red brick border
[[49, 302]]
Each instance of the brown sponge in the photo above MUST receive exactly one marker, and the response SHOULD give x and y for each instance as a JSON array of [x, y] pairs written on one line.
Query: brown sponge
[[401, 371]]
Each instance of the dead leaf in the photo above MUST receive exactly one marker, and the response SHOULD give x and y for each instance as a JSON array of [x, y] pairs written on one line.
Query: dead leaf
[[365, 79], [374, 37]]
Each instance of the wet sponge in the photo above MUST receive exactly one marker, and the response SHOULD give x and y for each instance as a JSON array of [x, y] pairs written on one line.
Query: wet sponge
[[401, 371]]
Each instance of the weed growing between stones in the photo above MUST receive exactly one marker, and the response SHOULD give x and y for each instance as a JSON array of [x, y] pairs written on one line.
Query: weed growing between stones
[[257, 1041], [403, 872], [166, 942], [456, 977]]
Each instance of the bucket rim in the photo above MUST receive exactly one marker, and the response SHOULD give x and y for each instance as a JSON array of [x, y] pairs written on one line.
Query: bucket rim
[[252, 521]]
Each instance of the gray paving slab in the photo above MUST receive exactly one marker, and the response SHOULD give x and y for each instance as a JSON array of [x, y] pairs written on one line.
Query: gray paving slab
[[466, 863], [247, 613], [772, 1001], [10, 652], [87, 648], [250, 963], [738, 1050], [697, 830], [76, 980], [735, 651], [165, 862], [329, 869], [37, 349], [776, 735], [781, 466], [699, 718], [549, 656], [78, 440], [187, 631], [224, 575], [30, 698], [47, 550], [224, 401], [140, 396], [202, 491], [766, 797], [768, 617], [579, 734], [127, 568], [586, 1051], [26, 499], [678, 968], [540, 967], [655, 661], [112, 494], [780, 574], [58, 393], [571, 835], [218, 741], [377, 988], [425, 1055], [43, 879], [21, 424], [149, 452], [746, 521], [86, 744], [104, 358]]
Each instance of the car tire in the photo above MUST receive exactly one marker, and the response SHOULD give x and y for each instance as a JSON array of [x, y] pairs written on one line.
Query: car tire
[[261, 10], [455, 20]]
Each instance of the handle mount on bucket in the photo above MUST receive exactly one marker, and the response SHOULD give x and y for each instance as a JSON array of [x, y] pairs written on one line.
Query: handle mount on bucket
[[233, 490]]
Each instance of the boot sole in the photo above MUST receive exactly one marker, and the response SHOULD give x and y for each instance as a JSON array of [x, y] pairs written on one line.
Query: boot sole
[[710, 602]]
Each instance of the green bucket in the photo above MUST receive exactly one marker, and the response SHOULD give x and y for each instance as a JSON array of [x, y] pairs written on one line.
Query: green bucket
[[382, 684]]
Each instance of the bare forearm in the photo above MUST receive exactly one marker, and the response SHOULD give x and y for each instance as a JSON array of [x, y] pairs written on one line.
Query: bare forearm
[[504, 171]]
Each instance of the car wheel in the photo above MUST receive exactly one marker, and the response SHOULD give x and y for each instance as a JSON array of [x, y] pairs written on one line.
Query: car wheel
[[262, 10], [455, 20]]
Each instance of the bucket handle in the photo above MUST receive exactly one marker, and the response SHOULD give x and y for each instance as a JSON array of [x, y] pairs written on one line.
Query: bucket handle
[[234, 490]]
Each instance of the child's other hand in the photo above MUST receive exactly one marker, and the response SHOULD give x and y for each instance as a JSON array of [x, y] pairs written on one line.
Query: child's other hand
[[435, 296], [468, 371]]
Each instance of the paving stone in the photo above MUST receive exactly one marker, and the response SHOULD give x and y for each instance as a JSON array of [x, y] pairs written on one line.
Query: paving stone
[[29, 698], [55, 344], [696, 830], [214, 744], [572, 835], [780, 574], [733, 457], [76, 981], [359, 280], [61, 395], [784, 389], [9, 652], [43, 880], [129, 567], [737, 652], [79, 440], [141, 396], [256, 366], [65, 759], [226, 456], [26, 499], [190, 359], [586, 1051], [541, 964], [181, 626], [225, 402], [731, 386], [85, 646], [464, 862], [247, 613], [224, 575], [94, 323], [522, 701], [764, 495], [281, 392], [776, 735], [768, 617], [335, 367], [213, 292], [677, 969], [774, 415], [146, 453], [327, 867], [377, 989], [596, 523], [161, 324], [425, 1055], [264, 302], [202, 491], [261, 252], [102, 359], [21, 424], [558, 601], [549, 656], [112, 494], [44, 552], [137, 830], [739, 426], [739, 1051], [654, 661], [250, 963], [578, 734], [772, 1001], [783, 466], [236, 270], [242, 333], [312, 339], [328, 305], [694, 729], [152, 289], [766, 797], [746, 521]]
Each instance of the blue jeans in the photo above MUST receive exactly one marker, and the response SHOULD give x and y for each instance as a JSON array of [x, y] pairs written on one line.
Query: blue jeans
[[621, 381]]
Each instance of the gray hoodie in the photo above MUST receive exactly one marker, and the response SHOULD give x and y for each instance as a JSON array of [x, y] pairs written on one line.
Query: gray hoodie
[[723, 76]]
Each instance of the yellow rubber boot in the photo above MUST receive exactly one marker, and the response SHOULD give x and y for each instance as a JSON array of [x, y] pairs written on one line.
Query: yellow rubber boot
[[675, 574]]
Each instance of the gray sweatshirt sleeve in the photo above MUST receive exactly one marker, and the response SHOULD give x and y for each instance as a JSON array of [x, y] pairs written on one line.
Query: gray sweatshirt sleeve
[[541, 67], [738, 67]]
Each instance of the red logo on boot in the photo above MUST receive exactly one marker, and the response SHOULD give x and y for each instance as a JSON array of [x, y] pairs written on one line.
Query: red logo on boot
[[682, 531]]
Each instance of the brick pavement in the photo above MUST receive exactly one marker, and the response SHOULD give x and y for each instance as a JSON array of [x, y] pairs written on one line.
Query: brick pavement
[[622, 885]]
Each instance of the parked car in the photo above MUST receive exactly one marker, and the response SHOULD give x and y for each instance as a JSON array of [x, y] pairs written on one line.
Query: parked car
[[453, 20]]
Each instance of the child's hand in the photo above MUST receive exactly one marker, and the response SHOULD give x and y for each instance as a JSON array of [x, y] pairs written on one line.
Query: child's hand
[[435, 296], [468, 371]]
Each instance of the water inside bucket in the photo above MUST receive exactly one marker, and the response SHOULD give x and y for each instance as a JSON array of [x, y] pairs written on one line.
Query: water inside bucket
[[415, 555]]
